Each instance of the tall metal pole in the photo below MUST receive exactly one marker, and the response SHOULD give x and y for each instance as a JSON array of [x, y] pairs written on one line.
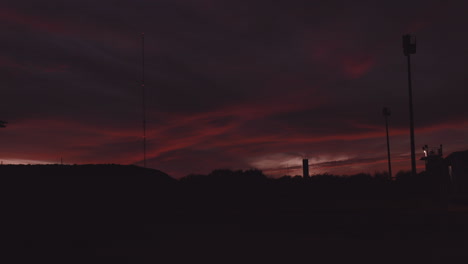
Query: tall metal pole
[[410, 91], [409, 47], [386, 113], [143, 102]]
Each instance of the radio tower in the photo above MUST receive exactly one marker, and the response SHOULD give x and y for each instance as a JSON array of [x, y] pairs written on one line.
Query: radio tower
[[143, 103]]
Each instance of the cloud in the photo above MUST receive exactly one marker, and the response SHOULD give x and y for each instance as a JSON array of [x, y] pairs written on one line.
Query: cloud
[[228, 84], [34, 22]]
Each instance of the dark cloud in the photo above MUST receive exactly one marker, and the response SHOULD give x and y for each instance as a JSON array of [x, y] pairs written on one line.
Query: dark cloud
[[229, 84]]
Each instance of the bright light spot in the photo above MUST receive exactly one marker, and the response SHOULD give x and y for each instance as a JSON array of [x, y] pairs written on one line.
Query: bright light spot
[[288, 163]]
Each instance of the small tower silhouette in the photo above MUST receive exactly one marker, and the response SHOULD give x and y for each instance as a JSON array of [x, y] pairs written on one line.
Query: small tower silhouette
[[305, 168]]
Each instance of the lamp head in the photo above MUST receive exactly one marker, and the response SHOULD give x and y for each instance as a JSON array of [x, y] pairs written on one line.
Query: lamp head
[[409, 44]]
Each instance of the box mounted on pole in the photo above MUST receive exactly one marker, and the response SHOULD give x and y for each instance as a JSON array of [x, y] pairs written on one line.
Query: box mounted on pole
[[409, 44]]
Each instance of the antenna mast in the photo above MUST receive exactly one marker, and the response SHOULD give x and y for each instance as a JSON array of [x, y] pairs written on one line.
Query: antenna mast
[[143, 103]]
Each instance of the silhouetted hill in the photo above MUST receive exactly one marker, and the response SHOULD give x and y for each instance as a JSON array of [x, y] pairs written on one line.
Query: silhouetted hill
[[93, 211], [37, 198], [83, 178], [94, 170]]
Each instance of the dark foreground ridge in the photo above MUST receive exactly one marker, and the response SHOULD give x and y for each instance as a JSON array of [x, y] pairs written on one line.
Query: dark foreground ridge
[[128, 214]]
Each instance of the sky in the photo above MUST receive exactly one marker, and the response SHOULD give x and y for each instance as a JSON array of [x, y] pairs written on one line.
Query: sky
[[231, 84]]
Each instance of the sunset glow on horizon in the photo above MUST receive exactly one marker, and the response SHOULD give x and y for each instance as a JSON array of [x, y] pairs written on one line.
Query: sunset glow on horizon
[[230, 85]]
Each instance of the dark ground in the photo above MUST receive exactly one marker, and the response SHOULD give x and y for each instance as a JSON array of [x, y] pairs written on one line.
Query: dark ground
[[139, 220]]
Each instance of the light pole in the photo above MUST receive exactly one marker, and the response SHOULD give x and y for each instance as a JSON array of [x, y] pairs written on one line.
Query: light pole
[[409, 47], [143, 100], [386, 113]]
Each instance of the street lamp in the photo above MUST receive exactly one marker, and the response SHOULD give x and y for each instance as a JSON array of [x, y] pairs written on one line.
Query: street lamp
[[386, 113], [409, 47]]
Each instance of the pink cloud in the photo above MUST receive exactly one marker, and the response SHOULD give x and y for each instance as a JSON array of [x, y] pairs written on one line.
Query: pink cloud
[[56, 68], [357, 67], [428, 16], [34, 22], [6, 62], [66, 28], [10, 63], [332, 52], [221, 130]]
